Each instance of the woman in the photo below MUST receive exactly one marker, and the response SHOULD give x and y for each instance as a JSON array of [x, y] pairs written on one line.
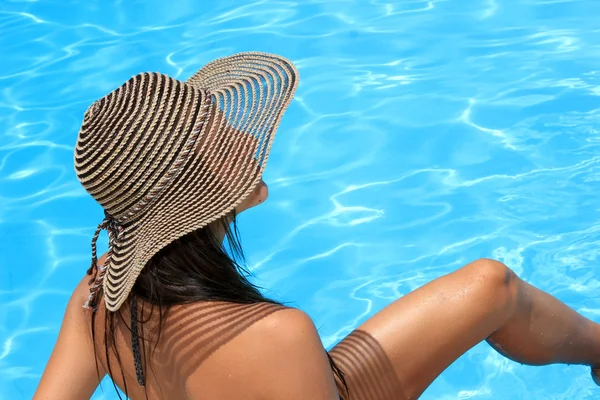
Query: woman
[[168, 311]]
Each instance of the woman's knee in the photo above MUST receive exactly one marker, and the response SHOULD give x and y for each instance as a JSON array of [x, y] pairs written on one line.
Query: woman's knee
[[498, 283]]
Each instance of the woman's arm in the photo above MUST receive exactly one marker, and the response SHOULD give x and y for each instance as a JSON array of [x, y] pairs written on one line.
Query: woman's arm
[[71, 371]]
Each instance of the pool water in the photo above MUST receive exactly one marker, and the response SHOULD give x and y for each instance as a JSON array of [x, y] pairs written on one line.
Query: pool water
[[424, 135]]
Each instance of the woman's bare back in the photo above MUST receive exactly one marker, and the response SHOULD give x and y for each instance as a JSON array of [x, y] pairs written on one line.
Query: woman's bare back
[[204, 345]]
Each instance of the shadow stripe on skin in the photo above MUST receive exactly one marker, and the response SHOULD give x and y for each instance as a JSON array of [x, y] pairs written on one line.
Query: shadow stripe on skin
[[231, 326], [367, 369], [204, 327]]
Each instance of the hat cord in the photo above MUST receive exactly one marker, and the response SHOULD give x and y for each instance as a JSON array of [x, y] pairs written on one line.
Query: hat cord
[[135, 343], [115, 230]]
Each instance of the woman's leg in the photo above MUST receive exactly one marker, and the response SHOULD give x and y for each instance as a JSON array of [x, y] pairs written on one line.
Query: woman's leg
[[398, 352]]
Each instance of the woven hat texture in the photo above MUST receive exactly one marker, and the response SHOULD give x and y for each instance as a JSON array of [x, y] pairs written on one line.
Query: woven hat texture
[[165, 157]]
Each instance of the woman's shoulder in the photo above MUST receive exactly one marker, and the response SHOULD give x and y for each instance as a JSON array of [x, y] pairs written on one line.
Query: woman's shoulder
[[223, 313], [268, 351], [194, 332], [217, 321], [212, 324]]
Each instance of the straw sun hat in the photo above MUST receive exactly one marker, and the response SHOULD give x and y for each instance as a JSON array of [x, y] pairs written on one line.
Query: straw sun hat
[[164, 157]]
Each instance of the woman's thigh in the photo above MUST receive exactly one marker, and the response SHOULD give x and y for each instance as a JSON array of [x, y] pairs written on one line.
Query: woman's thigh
[[399, 351]]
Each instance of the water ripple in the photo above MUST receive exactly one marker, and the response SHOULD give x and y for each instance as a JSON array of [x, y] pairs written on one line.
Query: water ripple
[[424, 134]]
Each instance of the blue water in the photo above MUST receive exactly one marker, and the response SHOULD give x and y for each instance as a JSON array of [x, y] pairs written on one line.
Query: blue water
[[424, 135]]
